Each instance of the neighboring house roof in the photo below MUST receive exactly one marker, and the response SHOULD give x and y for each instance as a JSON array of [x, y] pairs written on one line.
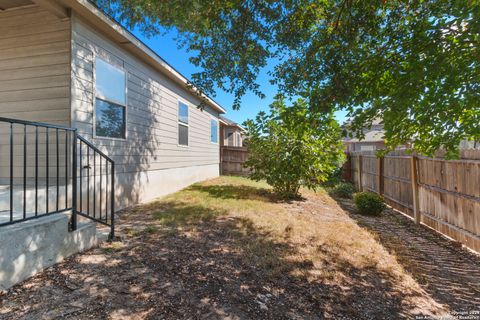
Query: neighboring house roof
[[373, 134], [230, 123], [129, 41], [375, 122], [370, 136]]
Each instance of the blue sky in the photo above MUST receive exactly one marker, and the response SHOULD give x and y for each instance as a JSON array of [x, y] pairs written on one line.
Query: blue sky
[[166, 47]]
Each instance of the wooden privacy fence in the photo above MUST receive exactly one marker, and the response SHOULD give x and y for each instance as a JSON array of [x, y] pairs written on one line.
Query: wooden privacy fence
[[442, 194], [232, 160]]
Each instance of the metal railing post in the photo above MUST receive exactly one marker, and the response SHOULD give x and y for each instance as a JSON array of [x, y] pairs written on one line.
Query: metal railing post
[[11, 172], [112, 202], [74, 181]]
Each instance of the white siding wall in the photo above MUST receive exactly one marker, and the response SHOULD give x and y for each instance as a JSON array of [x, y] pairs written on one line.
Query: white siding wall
[[149, 161], [34, 84], [34, 66]]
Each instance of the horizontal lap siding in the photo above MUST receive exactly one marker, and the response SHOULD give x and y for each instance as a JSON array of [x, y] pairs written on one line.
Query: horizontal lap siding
[[34, 66], [34, 85], [152, 102]]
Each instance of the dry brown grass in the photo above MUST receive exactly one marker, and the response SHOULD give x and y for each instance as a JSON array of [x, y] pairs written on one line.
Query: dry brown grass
[[317, 235], [328, 245], [227, 248]]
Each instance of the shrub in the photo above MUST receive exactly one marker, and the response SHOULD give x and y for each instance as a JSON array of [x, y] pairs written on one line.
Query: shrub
[[293, 146], [369, 203], [334, 178], [343, 190]]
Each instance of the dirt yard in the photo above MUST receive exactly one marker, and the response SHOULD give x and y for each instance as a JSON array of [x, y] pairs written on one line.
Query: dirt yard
[[227, 249]]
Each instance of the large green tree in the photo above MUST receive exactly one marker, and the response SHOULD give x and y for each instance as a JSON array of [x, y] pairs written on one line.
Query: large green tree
[[412, 63]]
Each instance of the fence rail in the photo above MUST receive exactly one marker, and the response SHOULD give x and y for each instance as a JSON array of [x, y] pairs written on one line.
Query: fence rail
[[442, 194]]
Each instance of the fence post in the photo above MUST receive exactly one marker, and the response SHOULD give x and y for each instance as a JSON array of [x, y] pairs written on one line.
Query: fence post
[[380, 175], [413, 176], [347, 168], [360, 184], [350, 169]]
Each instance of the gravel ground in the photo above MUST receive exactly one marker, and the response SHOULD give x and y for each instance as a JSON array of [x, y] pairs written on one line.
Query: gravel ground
[[448, 272]]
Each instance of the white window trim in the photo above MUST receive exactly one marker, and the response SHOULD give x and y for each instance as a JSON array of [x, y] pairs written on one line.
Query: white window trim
[[180, 123], [96, 95]]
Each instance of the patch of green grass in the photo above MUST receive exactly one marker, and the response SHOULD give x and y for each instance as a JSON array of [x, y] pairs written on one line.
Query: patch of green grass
[[107, 250], [112, 247], [150, 230], [208, 200], [175, 214], [133, 232]]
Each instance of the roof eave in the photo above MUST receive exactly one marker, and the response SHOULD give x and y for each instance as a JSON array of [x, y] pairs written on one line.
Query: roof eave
[[125, 38]]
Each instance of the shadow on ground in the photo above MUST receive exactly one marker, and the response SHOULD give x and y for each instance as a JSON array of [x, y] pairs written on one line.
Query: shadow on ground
[[449, 273], [228, 191], [187, 261]]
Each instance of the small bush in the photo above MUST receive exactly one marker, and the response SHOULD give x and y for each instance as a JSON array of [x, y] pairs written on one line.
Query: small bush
[[369, 203], [343, 190], [334, 179], [292, 147]]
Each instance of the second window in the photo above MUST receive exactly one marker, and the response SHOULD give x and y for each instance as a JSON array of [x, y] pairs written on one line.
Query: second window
[[182, 124]]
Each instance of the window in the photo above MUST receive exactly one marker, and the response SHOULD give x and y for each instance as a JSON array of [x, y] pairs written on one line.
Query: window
[[367, 148], [182, 124], [213, 131], [110, 119], [110, 101], [229, 137], [238, 142]]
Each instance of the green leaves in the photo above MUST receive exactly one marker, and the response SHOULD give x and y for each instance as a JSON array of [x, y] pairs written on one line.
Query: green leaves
[[292, 147], [413, 64], [231, 40]]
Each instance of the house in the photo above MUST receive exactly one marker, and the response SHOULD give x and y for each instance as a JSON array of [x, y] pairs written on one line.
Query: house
[[91, 121], [373, 140], [67, 63], [233, 152], [231, 133]]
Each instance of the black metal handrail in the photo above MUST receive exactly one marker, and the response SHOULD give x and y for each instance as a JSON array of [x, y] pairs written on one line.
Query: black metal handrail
[[59, 142], [36, 124], [103, 215]]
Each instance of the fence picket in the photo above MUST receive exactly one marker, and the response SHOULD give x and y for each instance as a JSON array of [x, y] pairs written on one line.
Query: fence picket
[[442, 194]]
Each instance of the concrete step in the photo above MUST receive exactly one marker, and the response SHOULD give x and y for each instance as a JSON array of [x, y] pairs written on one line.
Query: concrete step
[[18, 201], [30, 246]]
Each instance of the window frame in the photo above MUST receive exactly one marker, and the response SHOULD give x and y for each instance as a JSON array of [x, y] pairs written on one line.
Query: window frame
[[181, 123], [237, 139], [229, 132], [218, 133], [96, 96]]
